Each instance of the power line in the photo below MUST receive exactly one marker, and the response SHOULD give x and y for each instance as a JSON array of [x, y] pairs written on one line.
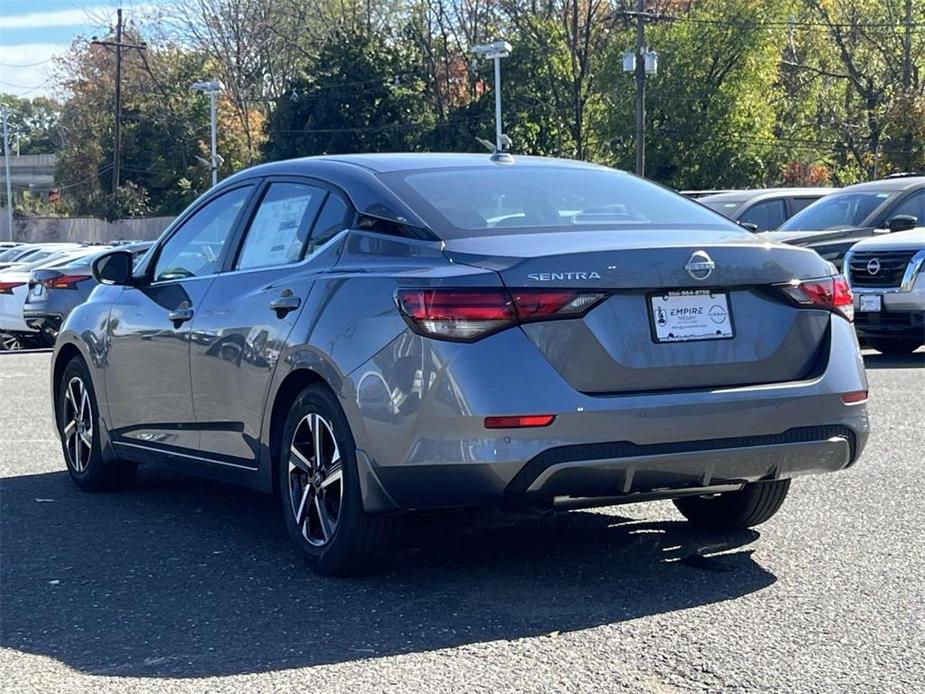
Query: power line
[[41, 62]]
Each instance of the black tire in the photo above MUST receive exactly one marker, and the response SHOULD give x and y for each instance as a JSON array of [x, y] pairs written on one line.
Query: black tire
[[79, 427], [349, 540], [750, 506], [896, 346]]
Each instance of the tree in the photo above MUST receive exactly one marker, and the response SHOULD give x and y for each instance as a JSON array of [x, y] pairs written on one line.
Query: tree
[[165, 127], [362, 94], [32, 123]]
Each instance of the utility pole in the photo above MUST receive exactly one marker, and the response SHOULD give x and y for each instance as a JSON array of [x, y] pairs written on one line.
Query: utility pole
[[907, 79], [117, 102], [640, 74], [6, 166]]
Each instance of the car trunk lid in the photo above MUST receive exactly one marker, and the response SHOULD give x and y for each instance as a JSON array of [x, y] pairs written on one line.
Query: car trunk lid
[[753, 335]]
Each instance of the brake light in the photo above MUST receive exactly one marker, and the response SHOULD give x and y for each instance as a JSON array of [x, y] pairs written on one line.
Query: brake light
[[457, 314], [8, 287], [469, 314], [519, 421], [542, 304], [64, 281], [832, 293]]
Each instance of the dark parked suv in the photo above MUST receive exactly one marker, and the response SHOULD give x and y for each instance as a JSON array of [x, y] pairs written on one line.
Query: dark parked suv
[[838, 221], [373, 334]]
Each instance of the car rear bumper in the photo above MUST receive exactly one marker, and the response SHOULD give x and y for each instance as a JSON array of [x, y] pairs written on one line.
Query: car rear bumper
[[423, 442], [42, 320]]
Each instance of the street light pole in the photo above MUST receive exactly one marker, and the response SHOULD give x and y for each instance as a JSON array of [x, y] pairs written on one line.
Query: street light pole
[[496, 51], [6, 166], [640, 88], [213, 89], [212, 97]]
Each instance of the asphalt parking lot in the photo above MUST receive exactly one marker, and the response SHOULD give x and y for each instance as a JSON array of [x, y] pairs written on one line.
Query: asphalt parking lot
[[186, 585]]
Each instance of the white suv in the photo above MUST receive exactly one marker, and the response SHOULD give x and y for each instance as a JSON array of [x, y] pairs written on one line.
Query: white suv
[[887, 274]]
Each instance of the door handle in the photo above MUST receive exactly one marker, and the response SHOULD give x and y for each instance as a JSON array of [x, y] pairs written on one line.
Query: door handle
[[179, 316], [285, 303]]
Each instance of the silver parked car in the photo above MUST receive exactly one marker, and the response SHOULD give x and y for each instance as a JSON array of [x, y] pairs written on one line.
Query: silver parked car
[[764, 209], [373, 334], [887, 274]]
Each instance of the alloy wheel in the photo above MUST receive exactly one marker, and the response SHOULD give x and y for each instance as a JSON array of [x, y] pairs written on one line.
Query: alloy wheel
[[316, 481], [78, 424], [9, 343]]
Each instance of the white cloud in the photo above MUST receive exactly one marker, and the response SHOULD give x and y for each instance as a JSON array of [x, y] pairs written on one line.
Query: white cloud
[[27, 69], [57, 18]]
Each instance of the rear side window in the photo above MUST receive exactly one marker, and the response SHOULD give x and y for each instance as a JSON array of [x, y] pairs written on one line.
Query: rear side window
[[331, 221], [279, 232], [766, 215], [800, 204]]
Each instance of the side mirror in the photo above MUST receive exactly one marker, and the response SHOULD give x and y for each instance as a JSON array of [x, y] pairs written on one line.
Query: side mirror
[[902, 222], [113, 268], [748, 225]]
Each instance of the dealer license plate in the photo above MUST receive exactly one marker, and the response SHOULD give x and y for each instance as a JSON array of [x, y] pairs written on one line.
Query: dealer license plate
[[694, 314]]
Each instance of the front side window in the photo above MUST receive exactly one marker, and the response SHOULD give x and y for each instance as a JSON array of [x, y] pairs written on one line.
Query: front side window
[[279, 232], [914, 206], [195, 250], [766, 215], [522, 198]]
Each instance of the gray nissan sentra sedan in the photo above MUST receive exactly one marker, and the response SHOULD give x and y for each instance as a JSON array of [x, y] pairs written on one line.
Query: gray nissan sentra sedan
[[365, 335]]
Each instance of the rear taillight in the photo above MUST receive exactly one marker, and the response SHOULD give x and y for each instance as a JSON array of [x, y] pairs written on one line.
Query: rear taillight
[[8, 287], [832, 293], [469, 314], [457, 314], [64, 281]]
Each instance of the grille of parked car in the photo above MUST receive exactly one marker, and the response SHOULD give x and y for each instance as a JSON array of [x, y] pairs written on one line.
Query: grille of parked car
[[879, 268]]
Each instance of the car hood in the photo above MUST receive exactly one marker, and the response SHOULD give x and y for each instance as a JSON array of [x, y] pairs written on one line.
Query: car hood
[[911, 240], [796, 237]]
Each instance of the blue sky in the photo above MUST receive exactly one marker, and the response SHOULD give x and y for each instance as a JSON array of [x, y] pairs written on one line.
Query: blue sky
[[33, 31]]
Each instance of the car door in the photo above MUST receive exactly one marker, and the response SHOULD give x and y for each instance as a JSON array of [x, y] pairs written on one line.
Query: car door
[[249, 312], [147, 367]]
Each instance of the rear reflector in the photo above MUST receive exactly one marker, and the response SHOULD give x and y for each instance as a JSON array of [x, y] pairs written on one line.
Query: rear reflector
[[519, 421], [854, 398], [832, 293], [8, 287], [469, 314]]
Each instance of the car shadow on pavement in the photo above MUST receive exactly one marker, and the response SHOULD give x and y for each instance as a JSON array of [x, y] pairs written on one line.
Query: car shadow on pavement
[[875, 360], [187, 578]]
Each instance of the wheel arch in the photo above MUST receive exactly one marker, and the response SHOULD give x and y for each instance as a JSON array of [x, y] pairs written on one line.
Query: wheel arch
[[291, 387], [63, 357]]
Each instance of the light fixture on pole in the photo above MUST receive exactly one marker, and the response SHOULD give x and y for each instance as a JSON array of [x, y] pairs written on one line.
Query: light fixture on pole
[[213, 89], [496, 51]]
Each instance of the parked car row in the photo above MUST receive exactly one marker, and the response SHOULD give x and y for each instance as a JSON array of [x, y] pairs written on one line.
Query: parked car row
[[40, 284], [872, 231]]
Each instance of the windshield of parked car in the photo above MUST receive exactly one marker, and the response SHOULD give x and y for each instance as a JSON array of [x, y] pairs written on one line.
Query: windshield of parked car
[[485, 201], [724, 207], [837, 211]]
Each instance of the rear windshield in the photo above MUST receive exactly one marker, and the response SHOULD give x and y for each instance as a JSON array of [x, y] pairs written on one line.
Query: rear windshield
[[837, 211], [519, 198]]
